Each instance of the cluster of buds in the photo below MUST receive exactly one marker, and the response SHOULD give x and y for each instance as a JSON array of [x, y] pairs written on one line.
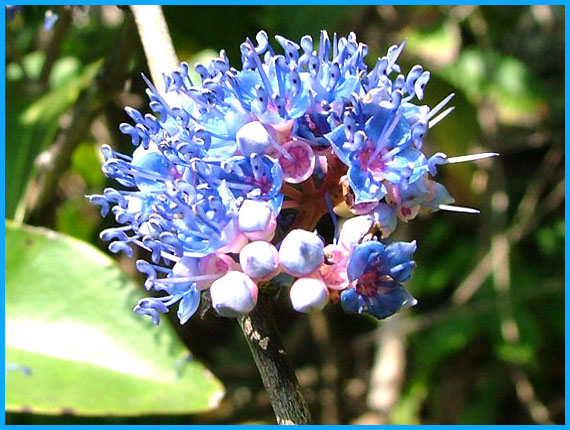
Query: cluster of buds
[[230, 177]]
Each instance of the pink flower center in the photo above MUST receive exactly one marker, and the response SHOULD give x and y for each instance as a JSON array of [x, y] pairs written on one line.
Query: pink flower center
[[374, 165], [302, 162]]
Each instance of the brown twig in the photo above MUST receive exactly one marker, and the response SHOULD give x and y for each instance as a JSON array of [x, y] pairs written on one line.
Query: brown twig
[[387, 375], [263, 338], [528, 214]]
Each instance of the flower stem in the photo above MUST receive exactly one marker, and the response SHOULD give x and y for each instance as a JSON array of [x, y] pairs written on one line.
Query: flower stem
[[156, 41], [275, 368]]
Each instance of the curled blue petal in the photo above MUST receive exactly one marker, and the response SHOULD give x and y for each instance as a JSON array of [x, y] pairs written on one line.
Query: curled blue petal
[[152, 307], [118, 246], [188, 305]]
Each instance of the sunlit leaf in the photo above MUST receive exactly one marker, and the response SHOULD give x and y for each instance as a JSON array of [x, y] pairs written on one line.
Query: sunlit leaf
[[69, 320]]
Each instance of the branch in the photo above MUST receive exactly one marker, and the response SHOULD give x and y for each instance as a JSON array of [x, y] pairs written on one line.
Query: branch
[[260, 330], [529, 212], [156, 42]]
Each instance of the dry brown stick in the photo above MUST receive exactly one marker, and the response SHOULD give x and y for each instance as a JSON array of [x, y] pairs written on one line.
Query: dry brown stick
[[388, 369], [54, 161], [500, 251]]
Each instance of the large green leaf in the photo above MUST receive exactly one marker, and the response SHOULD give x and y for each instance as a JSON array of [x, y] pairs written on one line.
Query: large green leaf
[[69, 320]]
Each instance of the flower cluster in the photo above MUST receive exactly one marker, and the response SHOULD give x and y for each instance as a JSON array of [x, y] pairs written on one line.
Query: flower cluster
[[231, 175]]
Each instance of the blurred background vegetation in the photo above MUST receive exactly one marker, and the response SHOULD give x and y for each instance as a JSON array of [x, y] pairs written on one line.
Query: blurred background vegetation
[[485, 344]]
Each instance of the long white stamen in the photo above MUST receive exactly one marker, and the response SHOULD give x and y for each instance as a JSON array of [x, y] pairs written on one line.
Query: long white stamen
[[182, 280], [440, 116], [440, 106], [458, 209], [471, 157]]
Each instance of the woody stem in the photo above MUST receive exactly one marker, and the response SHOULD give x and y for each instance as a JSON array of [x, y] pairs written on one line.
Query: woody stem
[[275, 368]]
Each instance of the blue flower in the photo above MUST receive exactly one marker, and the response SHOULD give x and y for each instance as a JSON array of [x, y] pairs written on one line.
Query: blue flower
[[377, 271], [206, 175], [380, 135]]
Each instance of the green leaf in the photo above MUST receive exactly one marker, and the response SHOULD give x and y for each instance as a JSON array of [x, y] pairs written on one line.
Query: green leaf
[[78, 218], [69, 320], [87, 161], [31, 125]]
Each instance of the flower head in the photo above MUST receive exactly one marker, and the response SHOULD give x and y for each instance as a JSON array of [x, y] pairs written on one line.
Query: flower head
[[304, 130]]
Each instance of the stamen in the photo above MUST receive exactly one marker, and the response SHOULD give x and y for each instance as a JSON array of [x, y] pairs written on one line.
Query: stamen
[[393, 56], [197, 233], [260, 69], [472, 157], [143, 174], [160, 268], [324, 45], [244, 187], [460, 209], [395, 151], [186, 279], [334, 46], [201, 212], [280, 68], [155, 91], [440, 116], [163, 254], [440, 105], [282, 151]]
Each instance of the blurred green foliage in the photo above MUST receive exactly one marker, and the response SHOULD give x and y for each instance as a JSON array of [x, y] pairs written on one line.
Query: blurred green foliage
[[485, 344]]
